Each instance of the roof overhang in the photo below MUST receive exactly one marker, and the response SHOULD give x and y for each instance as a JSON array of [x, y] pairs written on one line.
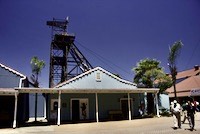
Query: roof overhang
[[7, 91], [56, 90], [180, 94], [195, 92], [192, 92], [36, 90]]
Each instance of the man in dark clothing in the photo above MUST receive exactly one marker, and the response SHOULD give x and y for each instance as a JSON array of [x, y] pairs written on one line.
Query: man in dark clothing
[[190, 112]]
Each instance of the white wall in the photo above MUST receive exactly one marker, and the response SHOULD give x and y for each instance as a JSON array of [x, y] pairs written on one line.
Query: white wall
[[164, 101]]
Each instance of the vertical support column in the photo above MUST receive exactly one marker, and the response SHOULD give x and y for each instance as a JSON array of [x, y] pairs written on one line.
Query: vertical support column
[[145, 103], [129, 107], [36, 102], [59, 102], [15, 111], [157, 109], [97, 110], [45, 106]]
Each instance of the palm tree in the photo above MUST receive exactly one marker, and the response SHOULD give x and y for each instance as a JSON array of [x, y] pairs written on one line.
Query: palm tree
[[174, 52], [36, 66], [149, 74]]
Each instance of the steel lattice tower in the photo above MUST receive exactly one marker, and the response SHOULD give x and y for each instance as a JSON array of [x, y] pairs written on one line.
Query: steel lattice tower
[[66, 60]]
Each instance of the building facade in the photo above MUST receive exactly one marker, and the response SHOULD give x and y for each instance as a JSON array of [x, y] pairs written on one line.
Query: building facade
[[97, 88], [95, 95], [9, 98], [9, 79]]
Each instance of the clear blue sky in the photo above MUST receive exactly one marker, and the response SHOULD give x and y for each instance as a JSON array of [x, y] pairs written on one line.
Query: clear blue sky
[[121, 31]]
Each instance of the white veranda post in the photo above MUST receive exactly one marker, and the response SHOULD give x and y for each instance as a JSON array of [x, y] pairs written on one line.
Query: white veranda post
[[157, 109], [45, 107], [97, 112], [15, 111], [59, 102], [129, 106], [145, 103]]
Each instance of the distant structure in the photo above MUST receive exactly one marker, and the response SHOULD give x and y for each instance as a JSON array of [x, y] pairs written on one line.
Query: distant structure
[[187, 84], [66, 60]]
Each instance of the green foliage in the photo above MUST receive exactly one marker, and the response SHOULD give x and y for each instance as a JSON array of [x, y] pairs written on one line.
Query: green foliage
[[145, 71], [149, 73], [174, 52], [36, 66], [163, 83]]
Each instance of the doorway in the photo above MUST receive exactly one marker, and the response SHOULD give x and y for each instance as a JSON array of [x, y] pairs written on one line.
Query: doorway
[[75, 110], [79, 109], [124, 107]]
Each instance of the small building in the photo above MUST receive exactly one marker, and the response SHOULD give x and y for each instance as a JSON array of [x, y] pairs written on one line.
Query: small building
[[187, 85], [9, 79], [10, 99], [95, 95]]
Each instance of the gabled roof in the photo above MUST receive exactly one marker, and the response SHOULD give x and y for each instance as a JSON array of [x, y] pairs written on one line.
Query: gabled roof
[[96, 78], [12, 70]]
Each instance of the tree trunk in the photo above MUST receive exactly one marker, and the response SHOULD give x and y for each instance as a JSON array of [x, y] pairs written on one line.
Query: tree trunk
[[175, 96]]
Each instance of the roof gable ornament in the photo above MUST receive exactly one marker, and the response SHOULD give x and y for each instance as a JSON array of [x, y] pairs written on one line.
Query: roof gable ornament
[[98, 76]]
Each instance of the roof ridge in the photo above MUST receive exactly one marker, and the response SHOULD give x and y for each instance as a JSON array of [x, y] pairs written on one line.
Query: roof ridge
[[92, 70], [114, 76], [11, 70], [74, 78]]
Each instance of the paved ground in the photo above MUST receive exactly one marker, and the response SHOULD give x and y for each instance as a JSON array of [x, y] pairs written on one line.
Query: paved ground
[[161, 125]]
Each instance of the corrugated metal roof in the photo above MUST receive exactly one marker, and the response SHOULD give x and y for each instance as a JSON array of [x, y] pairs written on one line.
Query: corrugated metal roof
[[189, 80], [180, 94], [188, 84], [187, 73], [97, 78], [12, 70]]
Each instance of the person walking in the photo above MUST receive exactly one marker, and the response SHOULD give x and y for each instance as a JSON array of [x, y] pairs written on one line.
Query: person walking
[[184, 112], [176, 109], [190, 113]]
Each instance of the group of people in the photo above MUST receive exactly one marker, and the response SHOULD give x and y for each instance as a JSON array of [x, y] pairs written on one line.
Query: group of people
[[189, 109]]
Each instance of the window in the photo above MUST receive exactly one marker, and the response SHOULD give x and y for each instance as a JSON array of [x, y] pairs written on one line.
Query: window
[[98, 76]]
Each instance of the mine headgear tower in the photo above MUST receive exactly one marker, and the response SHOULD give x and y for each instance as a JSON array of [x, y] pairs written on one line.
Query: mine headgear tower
[[66, 60]]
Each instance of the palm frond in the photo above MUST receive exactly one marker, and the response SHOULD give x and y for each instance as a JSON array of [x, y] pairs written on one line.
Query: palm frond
[[36, 66], [174, 52]]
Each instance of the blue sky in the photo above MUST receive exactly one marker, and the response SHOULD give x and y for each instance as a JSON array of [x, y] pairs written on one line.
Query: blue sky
[[121, 31]]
